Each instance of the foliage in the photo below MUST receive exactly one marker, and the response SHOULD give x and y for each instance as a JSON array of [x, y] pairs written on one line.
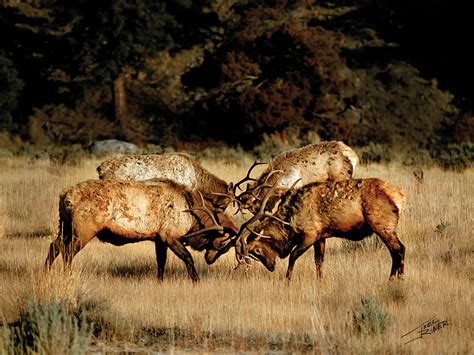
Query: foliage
[[47, 328], [353, 71], [25, 59], [370, 317], [269, 74], [454, 156], [10, 89], [374, 153], [105, 36], [67, 51]]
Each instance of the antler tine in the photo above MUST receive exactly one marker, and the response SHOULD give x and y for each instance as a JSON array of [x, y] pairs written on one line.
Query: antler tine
[[247, 177], [294, 184], [242, 239], [272, 172], [265, 183], [256, 233], [204, 209], [269, 215], [215, 227]]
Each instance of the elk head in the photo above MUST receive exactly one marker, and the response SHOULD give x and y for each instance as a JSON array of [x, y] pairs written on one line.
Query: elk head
[[220, 237], [260, 247], [220, 246]]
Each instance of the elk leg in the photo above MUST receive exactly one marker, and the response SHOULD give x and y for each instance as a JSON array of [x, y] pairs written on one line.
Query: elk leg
[[181, 252], [397, 251], [63, 241], [161, 249], [54, 249], [295, 254], [319, 248], [80, 237]]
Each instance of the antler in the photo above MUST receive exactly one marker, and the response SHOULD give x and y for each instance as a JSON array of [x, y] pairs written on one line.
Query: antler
[[247, 177], [233, 199], [215, 227], [241, 245], [265, 183]]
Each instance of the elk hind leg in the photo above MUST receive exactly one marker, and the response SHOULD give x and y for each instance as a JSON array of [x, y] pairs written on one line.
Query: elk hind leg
[[161, 250], [396, 249], [382, 217], [319, 249]]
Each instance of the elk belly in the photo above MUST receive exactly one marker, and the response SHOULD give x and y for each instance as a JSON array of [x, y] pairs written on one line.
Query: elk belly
[[346, 216]]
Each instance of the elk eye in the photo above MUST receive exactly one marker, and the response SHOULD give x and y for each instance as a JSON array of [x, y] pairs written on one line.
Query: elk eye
[[258, 252]]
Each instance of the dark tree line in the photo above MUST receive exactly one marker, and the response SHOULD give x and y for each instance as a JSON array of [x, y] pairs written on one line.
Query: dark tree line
[[59, 50], [363, 71]]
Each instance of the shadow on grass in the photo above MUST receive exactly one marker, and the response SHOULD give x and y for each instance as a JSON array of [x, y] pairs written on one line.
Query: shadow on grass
[[12, 268], [174, 338]]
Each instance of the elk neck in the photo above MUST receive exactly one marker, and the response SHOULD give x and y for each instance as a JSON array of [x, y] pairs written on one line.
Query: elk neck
[[282, 236]]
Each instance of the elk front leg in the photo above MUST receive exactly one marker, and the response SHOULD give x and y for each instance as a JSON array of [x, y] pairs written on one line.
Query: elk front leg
[[81, 235], [181, 252], [54, 249], [161, 251], [319, 248], [295, 254]]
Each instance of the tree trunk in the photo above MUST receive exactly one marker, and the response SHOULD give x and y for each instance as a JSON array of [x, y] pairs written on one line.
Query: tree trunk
[[120, 99]]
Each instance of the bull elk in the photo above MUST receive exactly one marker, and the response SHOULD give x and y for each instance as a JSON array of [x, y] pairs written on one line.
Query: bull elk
[[350, 209], [122, 212], [178, 167], [326, 161]]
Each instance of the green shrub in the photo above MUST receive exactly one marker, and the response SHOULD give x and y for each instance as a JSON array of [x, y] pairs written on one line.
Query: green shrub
[[375, 153], [455, 156], [370, 317], [10, 89], [46, 328]]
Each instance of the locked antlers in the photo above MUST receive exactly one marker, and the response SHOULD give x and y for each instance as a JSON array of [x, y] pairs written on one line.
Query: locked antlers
[[246, 229]]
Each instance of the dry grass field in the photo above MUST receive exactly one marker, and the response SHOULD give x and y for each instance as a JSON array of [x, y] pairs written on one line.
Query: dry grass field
[[353, 309]]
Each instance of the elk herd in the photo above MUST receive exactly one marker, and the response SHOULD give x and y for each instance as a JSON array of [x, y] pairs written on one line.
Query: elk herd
[[304, 196]]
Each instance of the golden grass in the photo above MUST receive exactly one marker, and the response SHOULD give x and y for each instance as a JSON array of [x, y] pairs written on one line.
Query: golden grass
[[248, 309]]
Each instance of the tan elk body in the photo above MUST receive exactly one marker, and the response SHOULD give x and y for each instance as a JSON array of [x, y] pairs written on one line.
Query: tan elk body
[[326, 161], [122, 212], [350, 209], [178, 167]]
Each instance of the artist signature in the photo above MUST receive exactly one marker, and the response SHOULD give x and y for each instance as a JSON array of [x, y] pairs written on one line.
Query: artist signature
[[429, 327]]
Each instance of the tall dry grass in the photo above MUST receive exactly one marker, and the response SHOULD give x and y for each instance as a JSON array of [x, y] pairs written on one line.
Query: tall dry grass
[[115, 288]]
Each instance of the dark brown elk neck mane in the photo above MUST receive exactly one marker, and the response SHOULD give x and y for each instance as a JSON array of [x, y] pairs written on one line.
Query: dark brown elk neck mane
[[280, 240], [291, 202]]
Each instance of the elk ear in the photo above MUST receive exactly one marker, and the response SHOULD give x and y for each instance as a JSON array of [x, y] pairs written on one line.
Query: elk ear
[[230, 188]]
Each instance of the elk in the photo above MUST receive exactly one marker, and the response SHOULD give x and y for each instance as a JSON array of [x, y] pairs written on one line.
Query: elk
[[178, 167], [350, 209], [326, 161], [122, 212]]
